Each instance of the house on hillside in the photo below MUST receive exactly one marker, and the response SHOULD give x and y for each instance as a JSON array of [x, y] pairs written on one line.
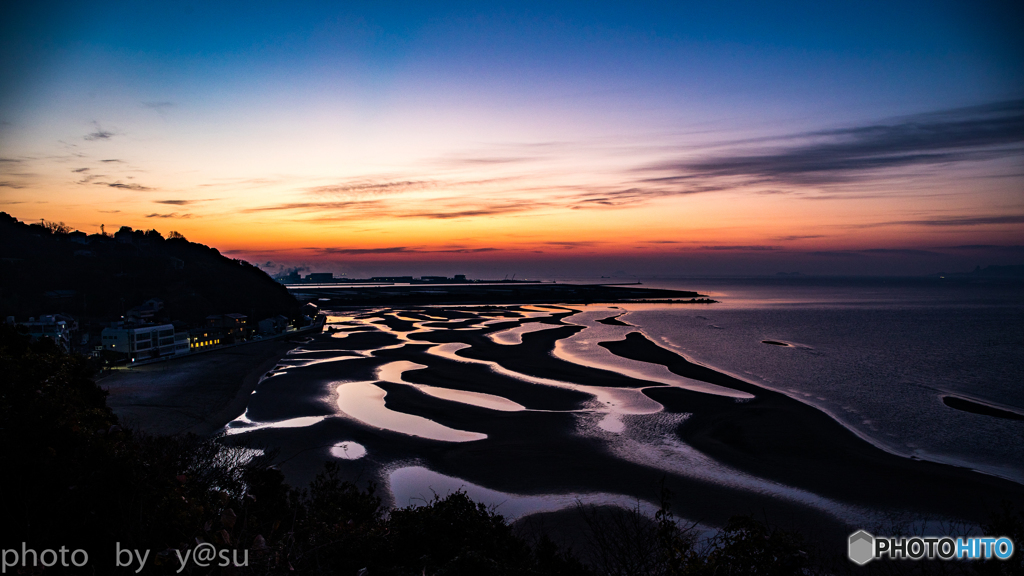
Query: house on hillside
[[146, 311], [231, 327], [57, 327], [271, 326]]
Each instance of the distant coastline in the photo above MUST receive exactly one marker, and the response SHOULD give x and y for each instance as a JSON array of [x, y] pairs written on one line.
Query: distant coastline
[[490, 293]]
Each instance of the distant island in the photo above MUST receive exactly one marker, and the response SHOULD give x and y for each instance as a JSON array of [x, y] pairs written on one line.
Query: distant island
[[489, 292]]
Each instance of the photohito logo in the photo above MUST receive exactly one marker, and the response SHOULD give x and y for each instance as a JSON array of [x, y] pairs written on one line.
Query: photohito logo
[[863, 547]]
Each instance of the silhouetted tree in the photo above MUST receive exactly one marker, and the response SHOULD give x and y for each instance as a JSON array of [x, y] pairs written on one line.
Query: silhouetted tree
[[56, 227]]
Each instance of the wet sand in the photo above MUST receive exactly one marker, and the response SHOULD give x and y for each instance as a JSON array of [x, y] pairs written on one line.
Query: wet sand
[[777, 437], [614, 321], [966, 405], [774, 456], [809, 467]]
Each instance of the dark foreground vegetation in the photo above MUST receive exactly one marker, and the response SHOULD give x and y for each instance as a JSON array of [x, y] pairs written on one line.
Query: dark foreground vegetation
[[47, 268], [74, 478]]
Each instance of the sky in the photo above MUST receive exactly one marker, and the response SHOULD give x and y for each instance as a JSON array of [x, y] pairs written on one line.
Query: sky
[[542, 139]]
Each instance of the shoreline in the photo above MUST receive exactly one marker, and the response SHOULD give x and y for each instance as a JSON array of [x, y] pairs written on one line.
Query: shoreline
[[977, 407], [799, 445], [540, 451], [475, 294]]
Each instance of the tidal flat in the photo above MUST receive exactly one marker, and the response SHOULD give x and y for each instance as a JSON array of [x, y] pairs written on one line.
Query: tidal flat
[[532, 408]]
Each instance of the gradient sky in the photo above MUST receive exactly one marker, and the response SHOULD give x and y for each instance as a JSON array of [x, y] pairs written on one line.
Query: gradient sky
[[541, 139]]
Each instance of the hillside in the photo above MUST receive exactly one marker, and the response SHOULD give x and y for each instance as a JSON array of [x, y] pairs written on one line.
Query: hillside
[[46, 268]]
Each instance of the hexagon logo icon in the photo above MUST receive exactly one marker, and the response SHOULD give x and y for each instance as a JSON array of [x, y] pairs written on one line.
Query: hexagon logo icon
[[861, 548]]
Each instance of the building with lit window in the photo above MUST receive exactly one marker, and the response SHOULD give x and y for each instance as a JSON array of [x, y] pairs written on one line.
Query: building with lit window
[[230, 328], [202, 339]]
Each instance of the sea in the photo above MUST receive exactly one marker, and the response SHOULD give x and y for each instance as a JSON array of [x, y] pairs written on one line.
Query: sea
[[877, 354]]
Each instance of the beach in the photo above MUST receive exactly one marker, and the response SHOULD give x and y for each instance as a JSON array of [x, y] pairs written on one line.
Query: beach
[[571, 431]]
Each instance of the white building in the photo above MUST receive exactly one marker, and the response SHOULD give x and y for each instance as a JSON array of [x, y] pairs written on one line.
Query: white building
[[145, 342], [58, 327]]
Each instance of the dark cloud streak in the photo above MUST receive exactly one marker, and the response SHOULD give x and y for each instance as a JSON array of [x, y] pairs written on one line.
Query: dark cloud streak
[[741, 248], [400, 250], [99, 133], [137, 187], [837, 156], [968, 221], [804, 237], [171, 215], [180, 202]]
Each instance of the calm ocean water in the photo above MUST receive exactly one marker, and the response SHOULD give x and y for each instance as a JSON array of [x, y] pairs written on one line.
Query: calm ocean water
[[876, 354]]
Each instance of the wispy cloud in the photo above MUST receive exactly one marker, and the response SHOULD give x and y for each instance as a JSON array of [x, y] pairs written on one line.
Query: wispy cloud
[[572, 243], [181, 202], [240, 182], [1009, 247], [806, 165], [491, 210], [477, 161], [950, 221], [80, 170], [898, 252], [11, 185], [837, 253], [968, 220], [802, 237], [171, 215], [400, 250], [433, 209], [755, 248], [258, 251], [628, 194], [124, 186], [112, 160], [360, 251], [371, 187], [158, 106], [99, 133], [842, 155], [873, 252], [465, 250], [315, 206]]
